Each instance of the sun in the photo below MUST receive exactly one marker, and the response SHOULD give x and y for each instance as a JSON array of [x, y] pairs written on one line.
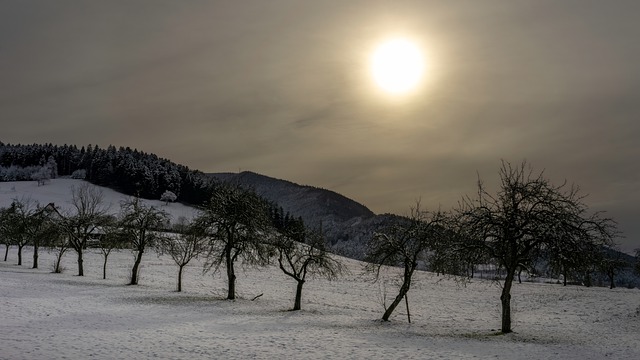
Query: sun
[[397, 66]]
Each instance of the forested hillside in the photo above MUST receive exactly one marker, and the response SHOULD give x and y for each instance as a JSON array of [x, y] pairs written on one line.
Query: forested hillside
[[345, 223], [127, 170]]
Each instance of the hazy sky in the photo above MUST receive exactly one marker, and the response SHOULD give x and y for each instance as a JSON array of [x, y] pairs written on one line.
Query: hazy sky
[[282, 88]]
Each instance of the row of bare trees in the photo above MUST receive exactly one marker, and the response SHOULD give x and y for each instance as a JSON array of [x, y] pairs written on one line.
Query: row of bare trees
[[234, 225], [87, 222], [526, 220]]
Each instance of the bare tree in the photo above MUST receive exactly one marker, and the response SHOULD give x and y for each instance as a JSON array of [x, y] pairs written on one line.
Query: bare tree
[[528, 216], [31, 223], [59, 244], [405, 244], [88, 212], [112, 237], [611, 264], [56, 235], [571, 259], [7, 228], [302, 253], [41, 227], [188, 244], [235, 221], [17, 223], [141, 225]]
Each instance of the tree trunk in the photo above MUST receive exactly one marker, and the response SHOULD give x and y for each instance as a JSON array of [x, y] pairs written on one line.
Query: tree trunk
[[505, 299], [134, 271], [57, 269], [231, 275], [406, 284], [80, 267], [104, 267], [298, 302], [406, 301], [395, 303], [20, 254], [6, 251], [35, 255], [612, 283], [180, 278]]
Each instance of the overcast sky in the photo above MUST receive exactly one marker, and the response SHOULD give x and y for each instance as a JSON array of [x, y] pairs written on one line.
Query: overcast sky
[[282, 88]]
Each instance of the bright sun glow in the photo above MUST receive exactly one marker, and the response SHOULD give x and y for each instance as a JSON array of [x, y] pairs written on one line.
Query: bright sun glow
[[397, 66]]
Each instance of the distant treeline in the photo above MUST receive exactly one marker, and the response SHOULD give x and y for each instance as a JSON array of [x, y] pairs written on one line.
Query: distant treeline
[[127, 170]]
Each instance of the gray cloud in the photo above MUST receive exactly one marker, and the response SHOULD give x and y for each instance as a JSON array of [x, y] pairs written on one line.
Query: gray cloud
[[281, 87]]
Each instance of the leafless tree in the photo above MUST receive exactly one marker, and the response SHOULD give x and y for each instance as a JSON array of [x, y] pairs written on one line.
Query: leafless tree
[[611, 264], [236, 222], [7, 228], [18, 226], [112, 237], [59, 244], [188, 244], [528, 216], [301, 253], [406, 244], [41, 226], [141, 225], [88, 212]]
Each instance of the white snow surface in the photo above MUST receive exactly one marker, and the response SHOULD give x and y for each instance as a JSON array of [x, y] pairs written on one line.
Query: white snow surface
[[63, 316], [59, 191]]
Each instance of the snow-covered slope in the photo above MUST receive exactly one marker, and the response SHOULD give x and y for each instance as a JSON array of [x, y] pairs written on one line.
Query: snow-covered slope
[[58, 191], [51, 316], [54, 316]]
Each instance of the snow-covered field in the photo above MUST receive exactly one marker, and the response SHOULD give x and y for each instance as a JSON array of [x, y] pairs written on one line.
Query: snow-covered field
[[56, 316]]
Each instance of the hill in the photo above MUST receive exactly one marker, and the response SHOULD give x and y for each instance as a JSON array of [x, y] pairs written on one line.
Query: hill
[[346, 223], [311, 203]]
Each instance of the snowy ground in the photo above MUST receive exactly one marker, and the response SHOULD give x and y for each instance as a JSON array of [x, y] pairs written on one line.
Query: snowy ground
[[56, 316], [58, 191]]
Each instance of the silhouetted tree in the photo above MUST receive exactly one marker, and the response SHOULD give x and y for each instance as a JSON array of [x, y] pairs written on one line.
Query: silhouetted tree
[[17, 223], [112, 237], [611, 264], [88, 213], [8, 227], [188, 244], [528, 216], [405, 244], [141, 225], [301, 253], [59, 244], [235, 221], [41, 227]]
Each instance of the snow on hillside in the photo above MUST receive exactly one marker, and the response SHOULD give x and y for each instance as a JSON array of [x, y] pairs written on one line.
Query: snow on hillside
[[58, 191], [53, 316]]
